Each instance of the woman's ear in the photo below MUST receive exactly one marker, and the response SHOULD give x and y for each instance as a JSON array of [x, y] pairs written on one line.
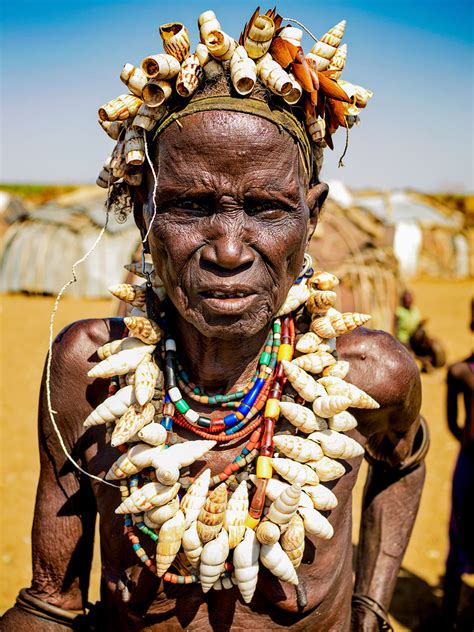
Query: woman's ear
[[315, 199]]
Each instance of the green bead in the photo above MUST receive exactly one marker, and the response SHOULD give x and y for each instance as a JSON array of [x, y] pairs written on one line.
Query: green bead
[[182, 406], [265, 358]]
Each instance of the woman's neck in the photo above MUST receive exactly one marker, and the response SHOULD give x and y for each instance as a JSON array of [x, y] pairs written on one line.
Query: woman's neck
[[215, 365]]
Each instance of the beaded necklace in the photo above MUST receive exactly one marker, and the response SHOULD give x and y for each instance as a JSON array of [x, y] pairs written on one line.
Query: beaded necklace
[[289, 470]]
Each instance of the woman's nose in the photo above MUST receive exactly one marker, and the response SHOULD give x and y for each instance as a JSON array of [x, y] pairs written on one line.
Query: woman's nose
[[228, 251]]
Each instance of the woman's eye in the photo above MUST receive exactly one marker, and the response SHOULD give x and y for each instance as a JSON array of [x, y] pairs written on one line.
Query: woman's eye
[[266, 211], [192, 205]]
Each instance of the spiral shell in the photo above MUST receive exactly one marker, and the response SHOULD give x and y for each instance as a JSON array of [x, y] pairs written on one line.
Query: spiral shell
[[338, 62], [236, 514], [323, 498], [213, 556], [340, 369], [316, 127], [302, 417], [275, 487], [134, 78], [336, 325], [122, 108], [308, 343], [277, 561], [328, 43], [317, 63], [320, 301], [284, 507], [296, 92], [342, 422], [359, 94], [153, 434], [208, 22], [175, 38], [192, 545], [147, 117], [157, 516], [315, 363], [267, 532], [133, 461], [337, 386], [220, 45], [336, 445], [297, 295], [327, 469], [169, 542], [111, 128], [146, 376], [298, 449], [278, 81], [112, 408], [295, 472], [160, 66], [323, 280], [316, 524], [121, 362], [259, 36], [292, 34], [134, 418], [194, 499], [211, 516], [189, 76], [303, 383], [134, 150], [245, 560], [133, 294], [156, 92], [330, 405], [149, 496], [243, 71], [144, 329], [292, 541], [168, 463]]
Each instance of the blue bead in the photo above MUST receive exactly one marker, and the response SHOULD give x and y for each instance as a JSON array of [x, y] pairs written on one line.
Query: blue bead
[[167, 422], [230, 419]]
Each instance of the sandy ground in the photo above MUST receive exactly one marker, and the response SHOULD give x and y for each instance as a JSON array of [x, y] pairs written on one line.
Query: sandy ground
[[24, 338]]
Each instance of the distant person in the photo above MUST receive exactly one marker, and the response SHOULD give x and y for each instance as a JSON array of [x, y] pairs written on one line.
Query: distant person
[[407, 317], [460, 380]]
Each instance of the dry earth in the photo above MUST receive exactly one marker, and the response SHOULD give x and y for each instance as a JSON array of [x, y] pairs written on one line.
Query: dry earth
[[24, 330]]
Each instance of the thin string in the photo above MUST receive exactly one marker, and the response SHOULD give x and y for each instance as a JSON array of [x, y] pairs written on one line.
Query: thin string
[[302, 26], [346, 147], [155, 187], [52, 412]]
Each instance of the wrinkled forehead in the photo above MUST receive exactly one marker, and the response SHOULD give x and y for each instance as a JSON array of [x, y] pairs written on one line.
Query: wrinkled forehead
[[237, 147]]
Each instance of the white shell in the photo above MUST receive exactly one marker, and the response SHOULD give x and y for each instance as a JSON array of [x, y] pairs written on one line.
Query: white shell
[[298, 449], [284, 507], [243, 71], [267, 532], [155, 517], [304, 384], [168, 463], [236, 514], [297, 295], [295, 472], [323, 498], [275, 487], [149, 496], [133, 420], [327, 469], [153, 434], [136, 459], [340, 369], [207, 22], [121, 362], [189, 76], [112, 408], [245, 560], [302, 417], [146, 376], [277, 561], [308, 343], [169, 542], [336, 445], [195, 497], [337, 386], [342, 422], [220, 45], [161, 66], [110, 348], [316, 524], [330, 405], [213, 557], [315, 362], [147, 117], [192, 545]]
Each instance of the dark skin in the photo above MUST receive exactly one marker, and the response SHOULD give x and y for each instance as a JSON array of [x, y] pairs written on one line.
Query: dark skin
[[235, 215]]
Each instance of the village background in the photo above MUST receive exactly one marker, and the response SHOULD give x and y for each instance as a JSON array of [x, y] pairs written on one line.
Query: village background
[[401, 214]]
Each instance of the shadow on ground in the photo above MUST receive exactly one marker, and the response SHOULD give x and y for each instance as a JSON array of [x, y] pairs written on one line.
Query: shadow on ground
[[417, 605]]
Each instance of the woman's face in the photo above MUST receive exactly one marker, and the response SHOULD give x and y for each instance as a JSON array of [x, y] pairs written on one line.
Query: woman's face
[[232, 220]]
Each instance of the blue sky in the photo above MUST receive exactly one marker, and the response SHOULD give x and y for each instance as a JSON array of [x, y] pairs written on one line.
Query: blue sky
[[62, 60]]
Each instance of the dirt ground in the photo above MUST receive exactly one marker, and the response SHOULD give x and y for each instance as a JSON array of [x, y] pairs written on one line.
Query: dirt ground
[[24, 326]]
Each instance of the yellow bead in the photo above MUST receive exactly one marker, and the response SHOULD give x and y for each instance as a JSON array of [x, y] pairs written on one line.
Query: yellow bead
[[272, 408], [264, 467], [251, 522], [285, 352]]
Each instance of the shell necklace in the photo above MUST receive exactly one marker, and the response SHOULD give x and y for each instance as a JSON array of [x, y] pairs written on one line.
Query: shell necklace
[[207, 529]]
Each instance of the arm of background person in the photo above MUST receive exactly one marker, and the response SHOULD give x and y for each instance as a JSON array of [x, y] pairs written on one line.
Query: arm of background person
[[392, 491], [452, 401], [65, 510]]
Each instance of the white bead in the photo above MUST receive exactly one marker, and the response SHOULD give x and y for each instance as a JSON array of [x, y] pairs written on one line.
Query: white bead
[[170, 345], [174, 394], [191, 415]]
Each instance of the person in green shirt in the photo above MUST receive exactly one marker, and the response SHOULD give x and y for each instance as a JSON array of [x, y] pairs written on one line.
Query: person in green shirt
[[407, 318]]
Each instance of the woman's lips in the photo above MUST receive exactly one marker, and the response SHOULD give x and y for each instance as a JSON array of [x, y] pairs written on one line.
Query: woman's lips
[[227, 302]]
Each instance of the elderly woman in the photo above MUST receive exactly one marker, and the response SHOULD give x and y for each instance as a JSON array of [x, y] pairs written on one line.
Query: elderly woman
[[226, 224]]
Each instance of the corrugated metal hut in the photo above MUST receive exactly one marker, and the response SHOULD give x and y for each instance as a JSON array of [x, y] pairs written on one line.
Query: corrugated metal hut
[[39, 249]]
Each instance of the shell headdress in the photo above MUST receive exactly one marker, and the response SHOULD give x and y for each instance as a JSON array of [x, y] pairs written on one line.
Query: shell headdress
[[260, 508], [268, 52]]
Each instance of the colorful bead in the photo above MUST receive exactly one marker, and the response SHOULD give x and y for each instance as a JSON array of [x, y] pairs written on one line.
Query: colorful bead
[[272, 408], [264, 467]]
